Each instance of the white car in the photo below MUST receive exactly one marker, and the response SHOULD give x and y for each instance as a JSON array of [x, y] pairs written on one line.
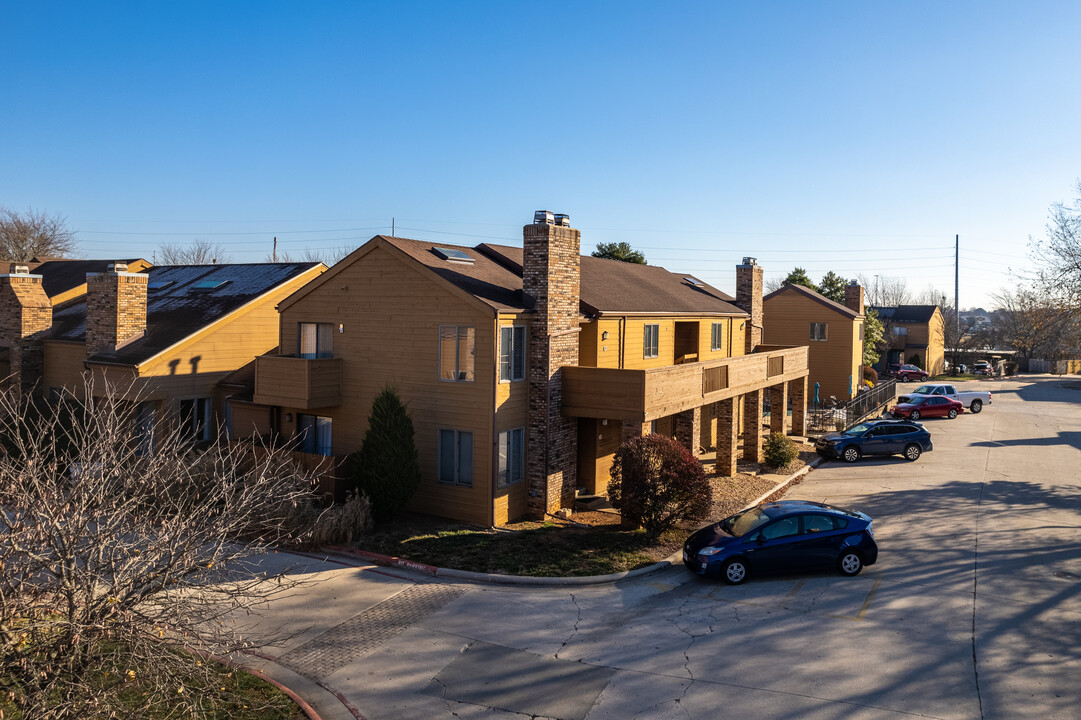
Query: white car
[[974, 400]]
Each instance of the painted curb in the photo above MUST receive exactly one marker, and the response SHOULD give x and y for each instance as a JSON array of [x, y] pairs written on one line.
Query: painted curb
[[529, 580]]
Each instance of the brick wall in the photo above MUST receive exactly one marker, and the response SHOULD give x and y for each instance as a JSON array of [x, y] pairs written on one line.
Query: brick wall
[[115, 309], [551, 278], [854, 298]]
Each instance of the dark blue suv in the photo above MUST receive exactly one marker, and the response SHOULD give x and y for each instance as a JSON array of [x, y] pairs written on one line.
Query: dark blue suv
[[876, 437]]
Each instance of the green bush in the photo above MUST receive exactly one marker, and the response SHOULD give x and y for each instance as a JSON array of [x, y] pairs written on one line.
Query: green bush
[[917, 361], [386, 467], [780, 451], [656, 482]]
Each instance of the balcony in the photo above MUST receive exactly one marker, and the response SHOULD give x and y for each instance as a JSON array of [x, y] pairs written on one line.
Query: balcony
[[644, 395], [295, 382]]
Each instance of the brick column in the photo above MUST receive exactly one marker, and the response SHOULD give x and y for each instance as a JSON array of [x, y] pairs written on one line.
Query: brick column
[[798, 389], [551, 278], [752, 426], [727, 436], [26, 319], [634, 429], [778, 408], [709, 416], [689, 429], [115, 308]]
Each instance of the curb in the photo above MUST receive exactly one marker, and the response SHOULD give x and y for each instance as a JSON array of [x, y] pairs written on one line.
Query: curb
[[529, 580]]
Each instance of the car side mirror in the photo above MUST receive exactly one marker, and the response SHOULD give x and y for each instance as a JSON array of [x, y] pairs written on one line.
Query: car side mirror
[[761, 540]]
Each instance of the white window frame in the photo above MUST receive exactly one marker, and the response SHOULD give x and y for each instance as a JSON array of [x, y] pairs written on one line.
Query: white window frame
[[511, 457], [461, 332], [716, 340], [819, 331], [512, 353], [459, 441], [651, 349]]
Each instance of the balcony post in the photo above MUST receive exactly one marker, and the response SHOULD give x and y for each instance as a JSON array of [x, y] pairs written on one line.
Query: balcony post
[[778, 408], [727, 437], [632, 430], [798, 389], [752, 426]]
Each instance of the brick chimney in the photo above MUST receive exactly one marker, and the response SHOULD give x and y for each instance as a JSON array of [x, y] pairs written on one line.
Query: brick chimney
[[749, 298], [115, 308], [551, 281], [854, 296], [26, 318]]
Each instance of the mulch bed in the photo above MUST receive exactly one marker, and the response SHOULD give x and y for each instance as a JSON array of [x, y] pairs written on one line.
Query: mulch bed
[[586, 543]]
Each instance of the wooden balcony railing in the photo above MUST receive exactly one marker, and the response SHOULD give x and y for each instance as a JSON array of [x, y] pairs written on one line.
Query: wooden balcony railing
[[302, 383], [644, 395]]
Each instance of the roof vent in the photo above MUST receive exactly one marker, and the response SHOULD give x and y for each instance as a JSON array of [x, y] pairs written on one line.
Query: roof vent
[[453, 255]]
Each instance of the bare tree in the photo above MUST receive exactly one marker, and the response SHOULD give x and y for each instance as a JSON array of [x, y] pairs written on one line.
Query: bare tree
[[24, 236], [1033, 324], [120, 563], [199, 252], [327, 256], [882, 291], [1058, 255]]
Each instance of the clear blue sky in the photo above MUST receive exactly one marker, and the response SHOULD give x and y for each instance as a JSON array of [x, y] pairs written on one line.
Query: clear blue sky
[[853, 136]]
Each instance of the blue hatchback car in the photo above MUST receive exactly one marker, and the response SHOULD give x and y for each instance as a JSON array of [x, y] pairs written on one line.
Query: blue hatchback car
[[783, 536], [907, 438]]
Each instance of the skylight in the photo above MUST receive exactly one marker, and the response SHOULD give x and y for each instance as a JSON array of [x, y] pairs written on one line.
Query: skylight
[[452, 255], [694, 281], [155, 285], [206, 286]]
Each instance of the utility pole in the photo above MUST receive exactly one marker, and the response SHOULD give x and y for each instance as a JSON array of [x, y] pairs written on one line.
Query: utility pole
[[274, 252], [957, 285], [392, 227]]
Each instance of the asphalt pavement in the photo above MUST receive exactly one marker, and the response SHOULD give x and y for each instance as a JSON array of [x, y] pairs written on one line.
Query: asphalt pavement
[[972, 611]]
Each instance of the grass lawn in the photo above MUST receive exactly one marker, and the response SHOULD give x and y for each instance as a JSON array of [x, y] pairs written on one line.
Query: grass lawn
[[225, 694], [591, 543]]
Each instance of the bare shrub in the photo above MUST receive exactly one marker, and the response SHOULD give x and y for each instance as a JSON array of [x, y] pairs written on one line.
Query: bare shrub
[[341, 522], [121, 557]]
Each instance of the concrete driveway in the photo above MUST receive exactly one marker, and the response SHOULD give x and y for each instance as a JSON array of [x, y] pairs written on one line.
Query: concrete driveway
[[972, 611]]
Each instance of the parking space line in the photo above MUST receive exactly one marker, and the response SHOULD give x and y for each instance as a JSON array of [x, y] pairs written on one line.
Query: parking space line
[[866, 604]]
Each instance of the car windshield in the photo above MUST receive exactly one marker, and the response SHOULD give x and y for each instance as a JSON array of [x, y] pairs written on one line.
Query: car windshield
[[924, 390], [858, 429], [744, 522]]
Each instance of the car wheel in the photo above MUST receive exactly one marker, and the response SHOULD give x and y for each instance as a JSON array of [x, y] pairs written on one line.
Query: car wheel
[[905, 378], [913, 452], [850, 563], [976, 406], [851, 454], [914, 415], [952, 414], [734, 571]]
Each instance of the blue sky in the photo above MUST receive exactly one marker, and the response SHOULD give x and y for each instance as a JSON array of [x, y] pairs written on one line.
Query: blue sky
[[849, 136]]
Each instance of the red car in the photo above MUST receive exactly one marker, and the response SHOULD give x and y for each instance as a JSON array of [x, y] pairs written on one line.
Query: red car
[[908, 373], [928, 407]]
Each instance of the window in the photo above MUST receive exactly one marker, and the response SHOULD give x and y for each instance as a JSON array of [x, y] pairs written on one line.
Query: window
[[817, 524], [314, 434], [316, 340], [898, 330], [818, 331], [194, 419], [456, 457], [144, 428], [457, 348], [512, 353], [717, 337], [649, 342], [782, 528], [511, 456], [861, 332]]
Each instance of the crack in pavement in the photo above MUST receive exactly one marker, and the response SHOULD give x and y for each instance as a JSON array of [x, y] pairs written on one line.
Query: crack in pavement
[[975, 580], [574, 630]]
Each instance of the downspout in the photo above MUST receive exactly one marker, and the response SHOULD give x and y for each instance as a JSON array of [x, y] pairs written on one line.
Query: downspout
[[622, 339], [493, 460]]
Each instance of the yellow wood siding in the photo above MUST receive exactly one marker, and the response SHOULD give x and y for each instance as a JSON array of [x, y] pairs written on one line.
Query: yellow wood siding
[[626, 336], [390, 313], [835, 363], [511, 411], [64, 364]]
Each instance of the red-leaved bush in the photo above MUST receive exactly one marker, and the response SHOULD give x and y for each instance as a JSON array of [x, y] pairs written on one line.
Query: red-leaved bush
[[656, 482]]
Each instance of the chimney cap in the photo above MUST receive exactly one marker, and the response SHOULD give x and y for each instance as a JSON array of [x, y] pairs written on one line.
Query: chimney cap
[[853, 283], [19, 269], [547, 217], [119, 266], [749, 262]]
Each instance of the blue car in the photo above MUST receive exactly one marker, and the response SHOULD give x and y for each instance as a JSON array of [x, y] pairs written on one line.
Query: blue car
[[783, 536], [876, 437]]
